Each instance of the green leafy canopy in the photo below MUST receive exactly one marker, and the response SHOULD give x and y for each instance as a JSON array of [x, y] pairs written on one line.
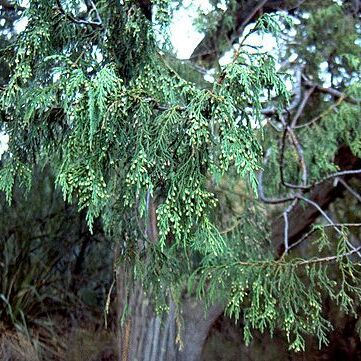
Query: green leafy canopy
[[100, 104], [116, 123]]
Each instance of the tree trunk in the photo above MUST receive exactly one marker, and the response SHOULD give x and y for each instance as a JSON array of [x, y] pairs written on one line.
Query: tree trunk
[[144, 336], [197, 324]]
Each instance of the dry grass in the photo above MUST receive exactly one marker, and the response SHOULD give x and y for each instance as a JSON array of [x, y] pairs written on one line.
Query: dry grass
[[90, 345], [78, 345], [16, 347]]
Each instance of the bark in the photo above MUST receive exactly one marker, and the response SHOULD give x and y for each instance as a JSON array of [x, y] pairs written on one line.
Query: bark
[[177, 335], [197, 324], [144, 336]]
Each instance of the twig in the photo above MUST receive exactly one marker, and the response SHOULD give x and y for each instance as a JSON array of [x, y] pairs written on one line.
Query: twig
[[241, 44], [314, 120], [303, 238], [343, 225], [75, 20], [285, 238], [351, 190], [314, 87], [285, 217], [261, 194], [330, 176], [289, 131], [323, 213], [299, 262], [337, 174], [249, 17], [330, 258], [302, 106], [107, 304], [314, 229]]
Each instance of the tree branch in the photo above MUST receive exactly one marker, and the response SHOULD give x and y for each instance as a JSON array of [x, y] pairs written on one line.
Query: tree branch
[[216, 42], [334, 92], [301, 218], [79, 21], [9, 6]]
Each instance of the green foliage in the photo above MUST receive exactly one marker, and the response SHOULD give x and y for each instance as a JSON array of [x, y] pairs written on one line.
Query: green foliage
[[328, 123], [339, 45], [288, 294], [120, 128], [145, 134], [283, 294], [12, 170]]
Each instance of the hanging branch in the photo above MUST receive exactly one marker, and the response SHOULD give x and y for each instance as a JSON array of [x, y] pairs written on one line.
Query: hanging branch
[[286, 227], [302, 106], [261, 194]]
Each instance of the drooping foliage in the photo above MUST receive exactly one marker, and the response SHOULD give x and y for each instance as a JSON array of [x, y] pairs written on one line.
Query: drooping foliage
[[94, 97], [118, 126], [301, 146]]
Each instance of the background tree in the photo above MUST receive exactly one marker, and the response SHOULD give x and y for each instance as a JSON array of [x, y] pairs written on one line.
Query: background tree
[[133, 136]]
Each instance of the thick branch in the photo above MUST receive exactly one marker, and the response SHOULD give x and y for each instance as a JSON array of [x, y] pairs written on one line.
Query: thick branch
[[302, 217], [10, 6], [216, 42]]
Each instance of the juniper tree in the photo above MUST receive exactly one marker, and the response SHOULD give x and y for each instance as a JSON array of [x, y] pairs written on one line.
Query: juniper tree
[[140, 140]]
